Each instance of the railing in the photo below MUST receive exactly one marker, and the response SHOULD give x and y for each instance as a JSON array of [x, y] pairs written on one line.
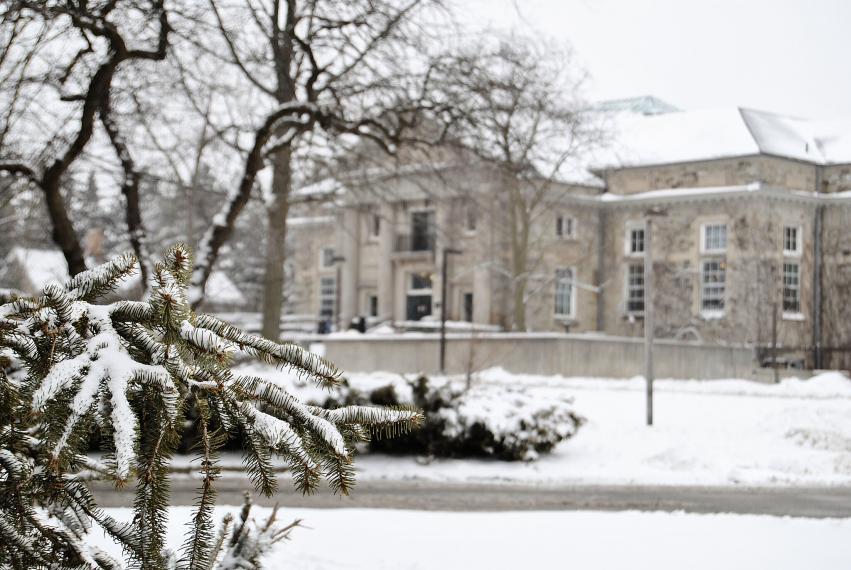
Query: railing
[[414, 243]]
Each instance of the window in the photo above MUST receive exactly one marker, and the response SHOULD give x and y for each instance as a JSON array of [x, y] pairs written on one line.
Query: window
[[374, 224], [713, 286], [564, 292], [470, 218], [467, 307], [327, 297], [422, 230], [326, 257], [791, 240], [713, 238], [372, 305], [791, 288], [635, 240], [635, 288], [565, 227], [420, 281]]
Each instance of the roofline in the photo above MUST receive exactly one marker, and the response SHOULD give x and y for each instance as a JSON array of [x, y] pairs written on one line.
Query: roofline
[[601, 171], [718, 193]]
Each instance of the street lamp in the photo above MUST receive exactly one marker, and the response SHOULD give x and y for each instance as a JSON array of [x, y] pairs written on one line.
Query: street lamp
[[443, 282], [337, 260], [649, 214]]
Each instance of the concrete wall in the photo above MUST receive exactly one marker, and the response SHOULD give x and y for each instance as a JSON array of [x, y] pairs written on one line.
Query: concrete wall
[[544, 353]]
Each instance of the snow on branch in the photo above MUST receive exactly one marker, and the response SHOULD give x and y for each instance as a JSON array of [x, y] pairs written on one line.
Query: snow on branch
[[136, 370]]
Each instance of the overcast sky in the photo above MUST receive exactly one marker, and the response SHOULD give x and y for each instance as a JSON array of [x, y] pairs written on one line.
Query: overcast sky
[[788, 56]]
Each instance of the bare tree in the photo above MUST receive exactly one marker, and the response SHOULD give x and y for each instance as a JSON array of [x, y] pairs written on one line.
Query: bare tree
[[523, 114], [315, 71], [59, 63]]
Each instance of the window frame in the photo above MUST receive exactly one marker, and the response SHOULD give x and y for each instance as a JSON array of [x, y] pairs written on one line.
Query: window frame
[[410, 290], [798, 241], [323, 296], [572, 292], [374, 224], [471, 213], [629, 287], [472, 297], [703, 245], [322, 265], [796, 312], [565, 221], [628, 241], [712, 312]]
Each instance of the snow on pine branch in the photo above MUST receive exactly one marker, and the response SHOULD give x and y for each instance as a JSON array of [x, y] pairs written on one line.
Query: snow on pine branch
[[100, 358]]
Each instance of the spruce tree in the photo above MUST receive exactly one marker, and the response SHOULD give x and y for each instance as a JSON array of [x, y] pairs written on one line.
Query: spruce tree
[[134, 371]]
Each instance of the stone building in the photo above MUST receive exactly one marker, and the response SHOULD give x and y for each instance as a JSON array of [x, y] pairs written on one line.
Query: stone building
[[751, 241]]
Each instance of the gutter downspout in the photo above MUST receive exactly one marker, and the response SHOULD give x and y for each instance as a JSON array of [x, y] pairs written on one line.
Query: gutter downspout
[[817, 274]]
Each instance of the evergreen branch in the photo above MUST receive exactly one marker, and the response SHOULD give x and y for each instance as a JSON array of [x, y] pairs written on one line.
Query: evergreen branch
[[99, 281], [289, 354], [198, 546]]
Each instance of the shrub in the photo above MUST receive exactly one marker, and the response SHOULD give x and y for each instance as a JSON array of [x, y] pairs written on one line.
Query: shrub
[[482, 421]]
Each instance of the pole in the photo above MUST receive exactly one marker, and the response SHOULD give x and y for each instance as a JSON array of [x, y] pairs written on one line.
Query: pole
[[648, 316], [443, 294], [774, 342], [337, 297], [443, 284]]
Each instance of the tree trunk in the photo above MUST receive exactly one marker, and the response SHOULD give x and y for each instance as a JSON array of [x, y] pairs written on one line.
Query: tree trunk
[[519, 252], [63, 230], [520, 305], [276, 236]]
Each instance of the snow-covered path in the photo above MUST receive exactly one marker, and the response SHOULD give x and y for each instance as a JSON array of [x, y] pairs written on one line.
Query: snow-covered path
[[353, 539]]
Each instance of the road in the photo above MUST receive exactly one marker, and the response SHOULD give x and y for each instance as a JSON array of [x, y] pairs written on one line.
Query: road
[[816, 502]]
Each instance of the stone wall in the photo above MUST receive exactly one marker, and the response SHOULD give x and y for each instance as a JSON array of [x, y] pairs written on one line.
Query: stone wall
[[754, 260], [723, 172]]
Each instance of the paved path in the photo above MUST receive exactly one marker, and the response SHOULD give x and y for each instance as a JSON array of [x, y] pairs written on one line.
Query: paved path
[[421, 495]]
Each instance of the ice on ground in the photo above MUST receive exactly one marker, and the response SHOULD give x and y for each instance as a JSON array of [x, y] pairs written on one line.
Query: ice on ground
[[374, 539]]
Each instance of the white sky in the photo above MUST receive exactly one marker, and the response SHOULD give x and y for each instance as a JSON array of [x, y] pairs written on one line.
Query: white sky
[[788, 56]]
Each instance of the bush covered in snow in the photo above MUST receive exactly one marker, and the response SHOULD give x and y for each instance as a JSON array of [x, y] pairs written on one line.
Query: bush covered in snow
[[479, 421]]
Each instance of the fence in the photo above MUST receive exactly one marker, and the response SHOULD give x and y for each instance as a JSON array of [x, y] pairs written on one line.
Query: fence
[[539, 353]]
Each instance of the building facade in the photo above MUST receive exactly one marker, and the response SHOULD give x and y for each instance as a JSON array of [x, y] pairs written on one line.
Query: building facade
[[750, 239]]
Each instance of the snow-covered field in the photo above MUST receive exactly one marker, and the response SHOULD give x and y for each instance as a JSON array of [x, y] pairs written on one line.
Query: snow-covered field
[[350, 539], [729, 432]]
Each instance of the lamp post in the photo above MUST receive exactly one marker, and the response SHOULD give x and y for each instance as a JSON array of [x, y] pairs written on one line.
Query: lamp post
[[648, 305], [337, 260], [443, 286]]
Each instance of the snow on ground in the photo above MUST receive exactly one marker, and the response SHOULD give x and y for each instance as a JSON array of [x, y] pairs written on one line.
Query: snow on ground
[[373, 539], [722, 432]]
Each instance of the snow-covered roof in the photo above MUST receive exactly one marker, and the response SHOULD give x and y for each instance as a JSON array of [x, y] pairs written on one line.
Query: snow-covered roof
[[323, 188], [309, 220], [221, 290], [645, 105], [706, 134], [40, 266]]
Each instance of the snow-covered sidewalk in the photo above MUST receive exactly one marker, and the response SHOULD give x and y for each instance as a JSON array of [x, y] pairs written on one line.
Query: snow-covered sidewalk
[[351, 539], [729, 432]]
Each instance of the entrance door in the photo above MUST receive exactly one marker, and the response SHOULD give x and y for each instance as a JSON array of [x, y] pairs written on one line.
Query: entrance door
[[419, 306], [418, 295]]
